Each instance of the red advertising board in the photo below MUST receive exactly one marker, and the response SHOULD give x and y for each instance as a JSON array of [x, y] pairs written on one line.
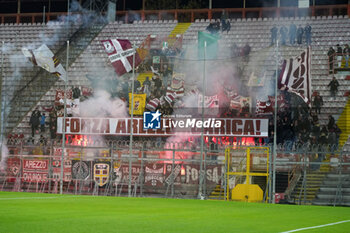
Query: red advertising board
[[67, 170], [34, 176], [56, 166], [35, 164], [13, 168], [35, 170]]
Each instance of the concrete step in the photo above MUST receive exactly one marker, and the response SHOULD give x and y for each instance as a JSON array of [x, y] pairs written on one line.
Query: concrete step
[[308, 189], [308, 196], [333, 196], [334, 189], [345, 184], [336, 176], [330, 202]]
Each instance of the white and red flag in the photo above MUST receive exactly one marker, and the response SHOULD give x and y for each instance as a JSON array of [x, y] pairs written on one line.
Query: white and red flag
[[296, 76], [120, 54], [153, 104], [45, 58], [263, 108], [211, 104]]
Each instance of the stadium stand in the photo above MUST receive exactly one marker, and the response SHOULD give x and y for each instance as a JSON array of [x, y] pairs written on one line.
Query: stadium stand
[[255, 32], [90, 56]]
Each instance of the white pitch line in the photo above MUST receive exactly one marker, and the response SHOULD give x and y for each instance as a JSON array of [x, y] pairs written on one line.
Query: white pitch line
[[19, 198], [319, 226]]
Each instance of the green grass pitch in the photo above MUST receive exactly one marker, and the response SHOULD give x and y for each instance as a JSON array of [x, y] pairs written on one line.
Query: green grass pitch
[[31, 212]]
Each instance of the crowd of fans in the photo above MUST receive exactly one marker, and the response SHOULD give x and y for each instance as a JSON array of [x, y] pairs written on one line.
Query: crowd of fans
[[336, 57], [294, 124], [293, 33], [223, 24], [300, 126]]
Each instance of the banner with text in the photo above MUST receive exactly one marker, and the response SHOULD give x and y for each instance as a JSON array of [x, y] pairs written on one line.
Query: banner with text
[[35, 170], [242, 127]]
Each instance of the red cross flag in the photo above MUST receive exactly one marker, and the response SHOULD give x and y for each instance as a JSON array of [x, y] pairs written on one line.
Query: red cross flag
[[120, 54]]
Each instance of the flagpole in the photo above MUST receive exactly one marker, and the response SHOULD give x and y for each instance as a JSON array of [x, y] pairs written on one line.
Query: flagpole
[[201, 175], [2, 106], [64, 120], [275, 133], [132, 119]]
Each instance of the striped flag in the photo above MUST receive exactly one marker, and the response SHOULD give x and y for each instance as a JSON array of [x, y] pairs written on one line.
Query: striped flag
[[120, 54], [45, 58], [179, 92], [153, 104], [263, 108], [296, 76], [176, 86], [170, 97]]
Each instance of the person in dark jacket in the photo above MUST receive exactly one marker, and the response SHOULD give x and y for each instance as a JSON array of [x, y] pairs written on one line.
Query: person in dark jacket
[[214, 27], [316, 130], [323, 136], [42, 122], [246, 52], [76, 93], [331, 122], [331, 54], [346, 53], [147, 87], [337, 131], [53, 124], [274, 31], [334, 86], [339, 55], [283, 32], [300, 33], [137, 85], [318, 102], [35, 120], [307, 31], [292, 33], [225, 25]]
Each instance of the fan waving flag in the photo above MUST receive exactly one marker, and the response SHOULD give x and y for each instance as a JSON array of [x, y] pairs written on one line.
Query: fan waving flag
[[296, 76], [120, 54], [45, 58]]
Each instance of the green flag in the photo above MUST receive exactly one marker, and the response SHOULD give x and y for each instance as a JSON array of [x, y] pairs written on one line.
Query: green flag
[[212, 45]]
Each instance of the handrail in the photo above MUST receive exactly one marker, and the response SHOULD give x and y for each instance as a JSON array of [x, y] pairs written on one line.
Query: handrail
[[293, 181], [192, 14]]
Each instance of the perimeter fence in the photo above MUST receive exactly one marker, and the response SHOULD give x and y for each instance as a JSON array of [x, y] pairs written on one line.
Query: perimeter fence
[[298, 173]]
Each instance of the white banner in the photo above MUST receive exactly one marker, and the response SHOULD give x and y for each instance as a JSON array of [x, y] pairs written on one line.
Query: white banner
[[242, 127]]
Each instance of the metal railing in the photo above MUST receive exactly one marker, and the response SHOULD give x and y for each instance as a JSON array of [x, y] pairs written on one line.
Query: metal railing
[[165, 169], [189, 15]]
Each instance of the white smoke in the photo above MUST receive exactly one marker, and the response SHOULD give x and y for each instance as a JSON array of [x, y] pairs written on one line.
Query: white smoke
[[103, 105], [217, 73]]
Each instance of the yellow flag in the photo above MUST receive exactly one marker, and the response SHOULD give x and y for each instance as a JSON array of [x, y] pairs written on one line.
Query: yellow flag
[[139, 103]]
